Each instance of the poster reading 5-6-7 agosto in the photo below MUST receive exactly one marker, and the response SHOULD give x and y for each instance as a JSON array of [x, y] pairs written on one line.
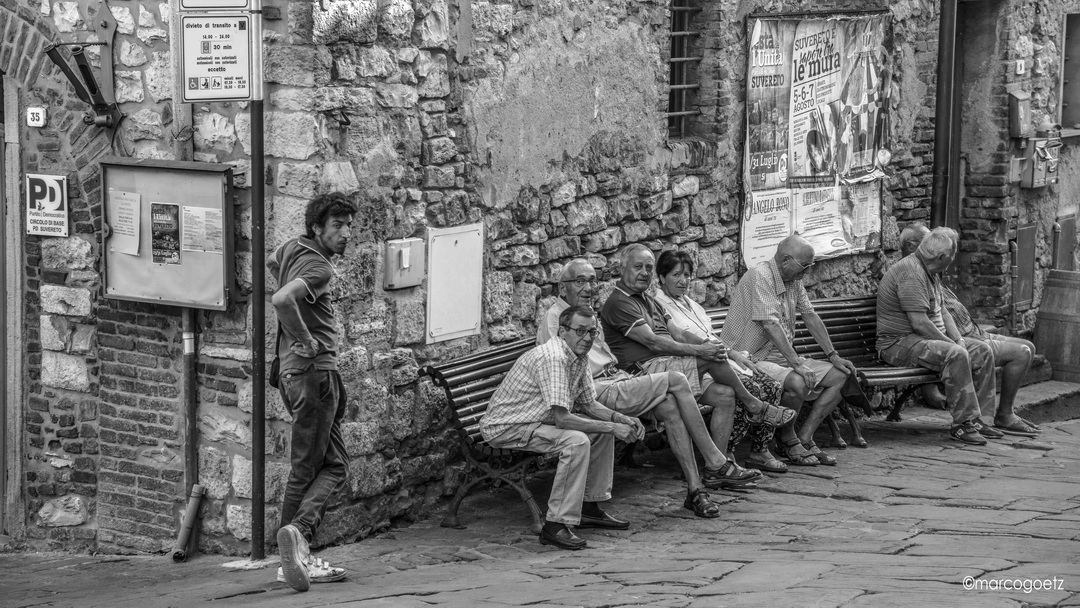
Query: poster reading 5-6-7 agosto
[[816, 126]]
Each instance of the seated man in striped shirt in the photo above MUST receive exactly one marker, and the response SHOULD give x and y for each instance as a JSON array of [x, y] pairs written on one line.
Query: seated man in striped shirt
[[546, 404], [912, 332], [761, 321], [1014, 355]]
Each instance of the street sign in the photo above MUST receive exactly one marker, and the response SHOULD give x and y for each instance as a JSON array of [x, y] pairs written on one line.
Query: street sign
[[214, 5], [217, 57]]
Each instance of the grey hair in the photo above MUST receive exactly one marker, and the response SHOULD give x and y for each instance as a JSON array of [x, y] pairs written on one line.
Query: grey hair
[[565, 272], [630, 250], [940, 241], [911, 236]]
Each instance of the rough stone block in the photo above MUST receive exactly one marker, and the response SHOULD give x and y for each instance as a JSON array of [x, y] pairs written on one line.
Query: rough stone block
[[338, 176], [563, 247], [82, 340], [290, 65], [55, 333], [67, 510], [635, 232], [525, 296], [72, 252], [396, 19], [586, 215], [145, 125], [438, 151], [353, 21], [396, 95], [218, 427], [60, 370], [297, 179], [277, 477], [129, 86], [361, 438], [685, 186], [214, 471], [564, 195], [214, 131], [710, 261], [434, 27], [656, 205], [518, 255], [433, 73], [125, 22], [410, 318], [159, 76], [132, 55], [498, 296], [439, 177]]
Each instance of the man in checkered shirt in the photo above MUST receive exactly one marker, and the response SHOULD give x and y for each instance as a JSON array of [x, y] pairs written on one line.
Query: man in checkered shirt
[[761, 321], [547, 404]]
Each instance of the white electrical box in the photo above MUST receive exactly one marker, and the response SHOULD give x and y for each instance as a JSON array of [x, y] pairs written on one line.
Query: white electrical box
[[455, 281], [404, 263]]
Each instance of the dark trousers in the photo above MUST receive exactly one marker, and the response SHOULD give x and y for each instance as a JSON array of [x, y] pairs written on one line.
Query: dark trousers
[[316, 400]]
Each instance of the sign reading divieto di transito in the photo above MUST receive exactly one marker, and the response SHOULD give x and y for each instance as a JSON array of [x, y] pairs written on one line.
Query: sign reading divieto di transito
[[217, 57]]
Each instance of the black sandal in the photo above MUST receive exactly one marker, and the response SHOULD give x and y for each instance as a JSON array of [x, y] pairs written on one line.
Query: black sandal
[[729, 475], [699, 502]]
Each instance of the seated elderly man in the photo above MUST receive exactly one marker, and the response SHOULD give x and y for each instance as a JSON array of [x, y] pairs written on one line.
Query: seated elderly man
[[546, 404], [761, 320], [1014, 355], [665, 396], [912, 332], [635, 327]]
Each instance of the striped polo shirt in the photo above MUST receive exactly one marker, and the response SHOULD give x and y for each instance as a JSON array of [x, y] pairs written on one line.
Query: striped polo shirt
[[906, 287]]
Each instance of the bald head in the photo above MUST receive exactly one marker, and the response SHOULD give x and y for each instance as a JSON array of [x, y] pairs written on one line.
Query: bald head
[[795, 246], [911, 236]]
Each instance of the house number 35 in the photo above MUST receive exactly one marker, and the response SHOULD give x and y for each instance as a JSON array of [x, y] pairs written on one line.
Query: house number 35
[[35, 117]]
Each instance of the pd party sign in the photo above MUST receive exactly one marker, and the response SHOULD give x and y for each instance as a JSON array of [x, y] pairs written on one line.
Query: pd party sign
[[46, 205]]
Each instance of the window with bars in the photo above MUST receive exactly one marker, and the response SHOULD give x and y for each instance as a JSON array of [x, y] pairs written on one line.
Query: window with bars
[[680, 68]]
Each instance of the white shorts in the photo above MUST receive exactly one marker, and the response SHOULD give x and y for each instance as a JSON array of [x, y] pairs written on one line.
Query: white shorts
[[780, 373]]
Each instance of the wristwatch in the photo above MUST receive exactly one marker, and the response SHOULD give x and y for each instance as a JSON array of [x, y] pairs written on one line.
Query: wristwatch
[[831, 354]]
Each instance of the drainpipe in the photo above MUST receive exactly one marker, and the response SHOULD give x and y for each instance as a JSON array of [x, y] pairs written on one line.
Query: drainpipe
[[191, 399], [258, 300], [943, 129]]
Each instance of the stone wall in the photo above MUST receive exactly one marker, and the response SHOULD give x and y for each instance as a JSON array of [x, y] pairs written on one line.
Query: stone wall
[[541, 119]]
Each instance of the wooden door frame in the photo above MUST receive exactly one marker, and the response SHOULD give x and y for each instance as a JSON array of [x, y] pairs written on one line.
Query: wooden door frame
[[12, 519]]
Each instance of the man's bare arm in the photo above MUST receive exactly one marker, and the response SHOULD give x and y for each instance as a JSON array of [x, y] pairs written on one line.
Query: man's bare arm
[[780, 340], [572, 422], [664, 345], [821, 335], [924, 327]]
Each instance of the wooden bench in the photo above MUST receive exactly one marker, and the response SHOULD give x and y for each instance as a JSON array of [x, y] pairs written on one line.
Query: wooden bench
[[852, 326], [470, 381]]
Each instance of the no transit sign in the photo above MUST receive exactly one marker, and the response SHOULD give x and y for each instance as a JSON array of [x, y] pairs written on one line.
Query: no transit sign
[[217, 57]]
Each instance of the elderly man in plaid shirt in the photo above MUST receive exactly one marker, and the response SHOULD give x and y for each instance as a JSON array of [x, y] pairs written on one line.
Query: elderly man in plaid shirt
[[547, 404], [761, 321]]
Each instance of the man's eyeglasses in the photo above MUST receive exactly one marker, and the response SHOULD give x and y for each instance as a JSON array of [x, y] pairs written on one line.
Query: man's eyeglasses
[[582, 281], [581, 331], [802, 267]]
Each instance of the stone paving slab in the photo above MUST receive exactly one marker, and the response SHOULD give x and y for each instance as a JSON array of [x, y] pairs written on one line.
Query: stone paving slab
[[901, 523]]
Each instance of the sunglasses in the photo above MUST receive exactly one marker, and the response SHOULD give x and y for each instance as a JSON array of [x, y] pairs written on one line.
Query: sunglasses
[[802, 267]]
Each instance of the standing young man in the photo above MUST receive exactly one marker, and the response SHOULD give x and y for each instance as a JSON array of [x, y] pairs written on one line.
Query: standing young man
[[309, 383]]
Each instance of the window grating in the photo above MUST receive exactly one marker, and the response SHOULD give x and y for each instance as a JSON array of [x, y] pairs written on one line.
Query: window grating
[[680, 64]]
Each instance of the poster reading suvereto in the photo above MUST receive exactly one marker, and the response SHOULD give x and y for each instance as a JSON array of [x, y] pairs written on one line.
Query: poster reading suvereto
[[816, 125]]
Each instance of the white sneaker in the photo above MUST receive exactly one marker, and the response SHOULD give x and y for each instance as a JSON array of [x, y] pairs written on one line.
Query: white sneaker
[[319, 571], [294, 550]]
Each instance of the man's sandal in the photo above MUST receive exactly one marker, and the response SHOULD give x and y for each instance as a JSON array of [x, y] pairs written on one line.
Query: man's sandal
[[773, 415], [699, 502], [729, 475], [822, 457], [805, 459]]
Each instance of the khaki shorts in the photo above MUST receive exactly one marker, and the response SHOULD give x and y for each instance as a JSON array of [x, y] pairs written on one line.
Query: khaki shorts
[[699, 381], [780, 373], [633, 396]]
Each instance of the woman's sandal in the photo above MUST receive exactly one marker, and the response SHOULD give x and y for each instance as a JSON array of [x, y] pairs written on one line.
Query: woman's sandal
[[806, 459], [699, 502], [822, 457], [773, 415]]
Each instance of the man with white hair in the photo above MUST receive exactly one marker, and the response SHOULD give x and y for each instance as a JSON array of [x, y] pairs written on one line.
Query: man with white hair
[[665, 396], [1014, 355], [912, 332]]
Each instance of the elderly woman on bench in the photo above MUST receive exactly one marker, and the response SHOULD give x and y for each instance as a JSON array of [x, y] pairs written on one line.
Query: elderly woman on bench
[[688, 322]]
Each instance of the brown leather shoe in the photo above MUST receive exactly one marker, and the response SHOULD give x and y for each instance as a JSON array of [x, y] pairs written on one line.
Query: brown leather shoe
[[563, 538]]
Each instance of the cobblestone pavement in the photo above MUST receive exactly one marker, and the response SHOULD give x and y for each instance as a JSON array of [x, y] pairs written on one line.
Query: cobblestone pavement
[[913, 520]]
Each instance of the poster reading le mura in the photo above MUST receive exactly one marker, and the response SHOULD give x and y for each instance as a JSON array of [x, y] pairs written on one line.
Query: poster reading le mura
[[165, 233]]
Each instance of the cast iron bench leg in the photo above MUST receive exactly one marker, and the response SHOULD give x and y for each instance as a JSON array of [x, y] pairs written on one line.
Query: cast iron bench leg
[[894, 414]]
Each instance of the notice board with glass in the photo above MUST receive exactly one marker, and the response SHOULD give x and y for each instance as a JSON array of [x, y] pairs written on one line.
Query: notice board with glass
[[168, 234]]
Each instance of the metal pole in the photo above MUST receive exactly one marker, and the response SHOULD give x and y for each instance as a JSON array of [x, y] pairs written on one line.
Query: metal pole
[[191, 399], [258, 295], [943, 131]]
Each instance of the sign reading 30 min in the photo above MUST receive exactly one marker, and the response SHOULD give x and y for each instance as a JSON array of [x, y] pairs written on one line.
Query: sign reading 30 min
[[217, 57]]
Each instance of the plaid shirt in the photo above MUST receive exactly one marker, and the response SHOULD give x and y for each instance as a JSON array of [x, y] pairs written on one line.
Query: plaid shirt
[[960, 314], [547, 376], [762, 295]]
